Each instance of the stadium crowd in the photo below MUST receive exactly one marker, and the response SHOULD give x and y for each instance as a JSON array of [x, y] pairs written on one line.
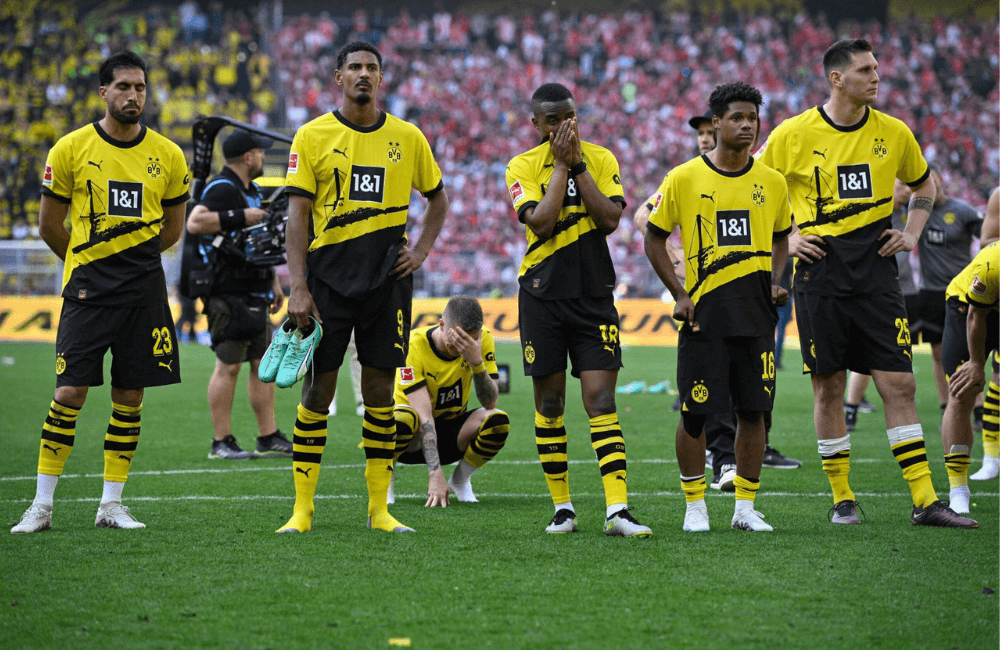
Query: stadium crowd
[[465, 80]]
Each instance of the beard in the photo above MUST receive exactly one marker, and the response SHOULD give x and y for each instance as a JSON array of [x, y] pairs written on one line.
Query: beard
[[256, 173], [362, 98], [125, 118]]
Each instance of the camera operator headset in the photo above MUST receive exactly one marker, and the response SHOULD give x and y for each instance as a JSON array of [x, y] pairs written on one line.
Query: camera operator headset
[[241, 296]]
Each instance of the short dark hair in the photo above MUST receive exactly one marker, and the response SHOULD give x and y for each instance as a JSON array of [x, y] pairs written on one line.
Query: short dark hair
[[840, 53], [121, 60], [550, 92], [465, 312], [726, 94], [357, 46]]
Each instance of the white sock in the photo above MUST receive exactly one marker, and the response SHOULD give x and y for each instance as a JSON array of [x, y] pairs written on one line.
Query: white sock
[[112, 492], [565, 506], [45, 489], [615, 508], [463, 472], [743, 505], [697, 505]]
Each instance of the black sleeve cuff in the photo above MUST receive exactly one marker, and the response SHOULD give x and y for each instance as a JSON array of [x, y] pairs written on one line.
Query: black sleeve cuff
[[620, 200], [430, 193], [922, 178], [520, 211], [782, 234], [62, 199], [417, 386], [650, 206], [656, 230], [976, 303], [300, 192], [183, 198]]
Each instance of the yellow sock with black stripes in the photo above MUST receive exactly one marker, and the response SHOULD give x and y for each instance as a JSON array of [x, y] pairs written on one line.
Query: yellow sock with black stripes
[[550, 438], [907, 444], [836, 457], [746, 490], [119, 447], [378, 436], [308, 441], [406, 425], [991, 421], [489, 440], [957, 463], [693, 488], [58, 435], [609, 445]]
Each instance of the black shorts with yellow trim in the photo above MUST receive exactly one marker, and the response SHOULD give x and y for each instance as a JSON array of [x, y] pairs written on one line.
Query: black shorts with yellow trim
[[857, 333], [931, 314], [585, 328], [380, 322], [710, 371], [141, 339], [955, 344], [447, 436]]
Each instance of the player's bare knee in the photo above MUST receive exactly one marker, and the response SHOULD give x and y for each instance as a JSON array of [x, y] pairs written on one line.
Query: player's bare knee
[[600, 402], [896, 388], [551, 406], [829, 389], [71, 396], [750, 417], [693, 423], [227, 370]]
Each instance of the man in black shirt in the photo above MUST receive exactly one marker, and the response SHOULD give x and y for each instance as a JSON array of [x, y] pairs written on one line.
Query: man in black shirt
[[240, 297]]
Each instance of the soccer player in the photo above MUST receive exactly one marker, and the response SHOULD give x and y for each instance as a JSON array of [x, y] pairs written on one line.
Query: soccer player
[[841, 160], [944, 249], [569, 195], [241, 297], [432, 398], [350, 173], [971, 332], [734, 219], [124, 189]]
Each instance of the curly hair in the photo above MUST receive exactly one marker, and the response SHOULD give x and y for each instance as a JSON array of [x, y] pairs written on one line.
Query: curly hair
[[737, 91], [357, 46]]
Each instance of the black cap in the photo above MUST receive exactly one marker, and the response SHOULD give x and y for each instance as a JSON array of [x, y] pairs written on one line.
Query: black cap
[[241, 141], [698, 120]]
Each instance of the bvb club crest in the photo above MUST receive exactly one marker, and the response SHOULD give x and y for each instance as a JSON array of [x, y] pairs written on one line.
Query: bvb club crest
[[880, 150], [529, 353], [949, 218], [153, 168], [60, 364], [395, 155], [758, 195], [699, 393]]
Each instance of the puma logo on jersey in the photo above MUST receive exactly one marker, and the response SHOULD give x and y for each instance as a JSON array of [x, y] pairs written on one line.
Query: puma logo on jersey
[[609, 349], [55, 452], [552, 165], [304, 471], [820, 153], [124, 457], [167, 365], [342, 153], [98, 165], [768, 389], [397, 345], [710, 198]]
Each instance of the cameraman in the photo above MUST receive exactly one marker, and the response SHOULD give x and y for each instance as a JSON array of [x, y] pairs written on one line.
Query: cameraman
[[241, 295]]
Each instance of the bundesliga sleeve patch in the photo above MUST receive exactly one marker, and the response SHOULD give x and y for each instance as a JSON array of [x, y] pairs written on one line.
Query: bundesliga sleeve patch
[[293, 162], [657, 201], [516, 192], [47, 177], [978, 286], [406, 375]]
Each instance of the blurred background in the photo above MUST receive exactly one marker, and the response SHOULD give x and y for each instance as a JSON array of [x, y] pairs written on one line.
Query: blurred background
[[463, 72]]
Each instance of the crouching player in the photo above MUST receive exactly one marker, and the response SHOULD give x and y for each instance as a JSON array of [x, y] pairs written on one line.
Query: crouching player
[[970, 333], [433, 425]]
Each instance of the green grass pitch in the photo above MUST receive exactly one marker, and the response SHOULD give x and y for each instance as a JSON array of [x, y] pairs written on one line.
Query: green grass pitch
[[210, 572]]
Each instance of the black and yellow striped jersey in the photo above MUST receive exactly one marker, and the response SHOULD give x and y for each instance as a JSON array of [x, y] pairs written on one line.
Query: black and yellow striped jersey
[[116, 193], [979, 282], [575, 260], [359, 180], [840, 180], [728, 222], [448, 381]]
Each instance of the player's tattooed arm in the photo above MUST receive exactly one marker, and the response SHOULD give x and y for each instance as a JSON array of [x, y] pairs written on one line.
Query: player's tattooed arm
[[437, 486], [486, 389], [921, 204]]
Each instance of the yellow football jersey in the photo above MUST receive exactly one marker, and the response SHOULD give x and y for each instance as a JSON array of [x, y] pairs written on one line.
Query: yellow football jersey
[[840, 180], [448, 381], [359, 179], [728, 221], [575, 260], [116, 193], [979, 282]]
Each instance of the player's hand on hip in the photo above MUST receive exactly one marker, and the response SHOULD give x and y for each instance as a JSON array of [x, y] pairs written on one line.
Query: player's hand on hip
[[684, 310], [408, 261], [254, 215], [969, 379], [437, 491], [779, 296], [806, 247], [898, 242], [301, 307]]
